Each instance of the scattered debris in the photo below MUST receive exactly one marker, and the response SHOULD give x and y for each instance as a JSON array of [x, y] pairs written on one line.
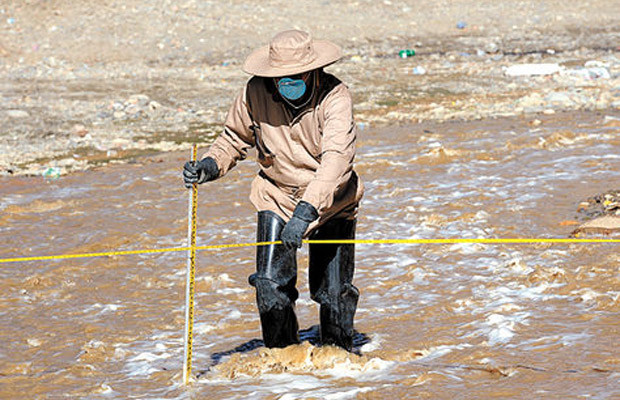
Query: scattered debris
[[532, 69], [605, 204]]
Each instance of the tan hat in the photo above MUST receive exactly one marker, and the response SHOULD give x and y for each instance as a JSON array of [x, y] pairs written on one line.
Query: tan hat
[[289, 53]]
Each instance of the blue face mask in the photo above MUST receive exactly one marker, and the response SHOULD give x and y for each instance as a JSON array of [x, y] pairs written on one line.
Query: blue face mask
[[291, 89]]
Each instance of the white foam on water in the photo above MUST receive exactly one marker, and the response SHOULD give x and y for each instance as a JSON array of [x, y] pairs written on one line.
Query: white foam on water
[[463, 305], [233, 314], [535, 292], [320, 384], [486, 178], [440, 351], [587, 295], [467, 248], [502, 329], [376, 342], [105, 389], [226, 291], [328, 394], [515, 265], [506, 294], [498, 328], [305, 301], [95, 344], [203, 328], [104, 308], [225, 278], [161, 347], [364, 372], [142, 364], [420, 275], [566, 339], [150, 357], [283, 382], [505, 307]]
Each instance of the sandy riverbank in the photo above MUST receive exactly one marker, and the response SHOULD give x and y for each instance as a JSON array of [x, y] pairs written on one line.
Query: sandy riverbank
[[84, 84]]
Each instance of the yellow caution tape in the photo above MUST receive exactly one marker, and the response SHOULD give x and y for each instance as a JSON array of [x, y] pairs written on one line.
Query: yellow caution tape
[[340, 241]]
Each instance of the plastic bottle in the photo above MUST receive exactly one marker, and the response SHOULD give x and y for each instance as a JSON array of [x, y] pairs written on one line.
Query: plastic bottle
[[406, 53], [51, 173]]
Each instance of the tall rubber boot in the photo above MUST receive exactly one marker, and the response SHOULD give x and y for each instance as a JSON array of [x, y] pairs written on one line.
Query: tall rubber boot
[[331, 275], [274, 280]]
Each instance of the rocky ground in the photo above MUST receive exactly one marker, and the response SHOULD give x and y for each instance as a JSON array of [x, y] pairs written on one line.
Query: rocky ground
[[604, 204], [84, 83]]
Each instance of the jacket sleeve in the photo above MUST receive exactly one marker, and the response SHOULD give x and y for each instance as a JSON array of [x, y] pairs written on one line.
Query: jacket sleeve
[[238, 137], [338, 151]]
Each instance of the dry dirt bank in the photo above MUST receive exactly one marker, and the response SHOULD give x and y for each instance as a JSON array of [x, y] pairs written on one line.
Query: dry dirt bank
[[87, 82]]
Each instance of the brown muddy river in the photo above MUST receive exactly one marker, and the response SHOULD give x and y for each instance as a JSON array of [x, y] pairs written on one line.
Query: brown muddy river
[[463, 321]]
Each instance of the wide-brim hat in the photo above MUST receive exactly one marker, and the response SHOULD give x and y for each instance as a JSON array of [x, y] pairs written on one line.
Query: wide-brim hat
[[290, 53]]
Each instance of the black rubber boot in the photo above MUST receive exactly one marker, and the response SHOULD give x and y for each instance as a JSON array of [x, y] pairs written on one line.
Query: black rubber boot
[[331, 273], [274, 280]]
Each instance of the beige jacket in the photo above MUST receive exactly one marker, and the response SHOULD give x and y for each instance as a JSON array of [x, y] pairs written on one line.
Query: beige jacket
[[308, 156]]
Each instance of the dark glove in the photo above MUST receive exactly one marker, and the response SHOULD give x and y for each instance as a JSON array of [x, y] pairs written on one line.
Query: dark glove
[[294, 230], [199, 172]]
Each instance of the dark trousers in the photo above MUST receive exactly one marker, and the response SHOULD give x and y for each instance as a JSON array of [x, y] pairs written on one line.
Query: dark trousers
[[330, 274]]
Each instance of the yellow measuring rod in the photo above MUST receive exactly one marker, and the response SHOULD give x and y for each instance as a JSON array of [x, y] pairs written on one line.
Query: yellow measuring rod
[[191, 276]]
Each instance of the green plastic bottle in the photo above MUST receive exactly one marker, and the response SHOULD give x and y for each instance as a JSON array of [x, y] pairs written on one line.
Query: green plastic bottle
[[406, 53]]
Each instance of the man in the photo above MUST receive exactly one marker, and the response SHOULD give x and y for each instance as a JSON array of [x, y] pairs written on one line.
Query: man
[[300, 119]]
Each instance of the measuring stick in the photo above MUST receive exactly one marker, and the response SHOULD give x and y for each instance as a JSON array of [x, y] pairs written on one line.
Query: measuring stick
[[191, 273]]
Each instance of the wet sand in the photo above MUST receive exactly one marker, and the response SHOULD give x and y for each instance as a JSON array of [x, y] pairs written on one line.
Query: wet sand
[[444, 321]]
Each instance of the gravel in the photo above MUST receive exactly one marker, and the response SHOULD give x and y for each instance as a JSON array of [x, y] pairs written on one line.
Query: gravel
[[83, 83]]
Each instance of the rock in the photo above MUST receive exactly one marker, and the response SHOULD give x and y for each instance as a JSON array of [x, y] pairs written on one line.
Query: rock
[[611, 121], [17, 114], [560, 99], [119, 114], [120, 143], [530, 101], [606, 225], [604, 204], [536, 122], [603, 101], [133, 110], [532, 69], [491, 48], [589, 73], [154, 106], [67, 162], [140, 99], [79, 130], [596, 64], [356, 59]]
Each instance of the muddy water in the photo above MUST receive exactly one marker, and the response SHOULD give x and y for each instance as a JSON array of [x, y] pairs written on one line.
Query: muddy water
[[445, 321]]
